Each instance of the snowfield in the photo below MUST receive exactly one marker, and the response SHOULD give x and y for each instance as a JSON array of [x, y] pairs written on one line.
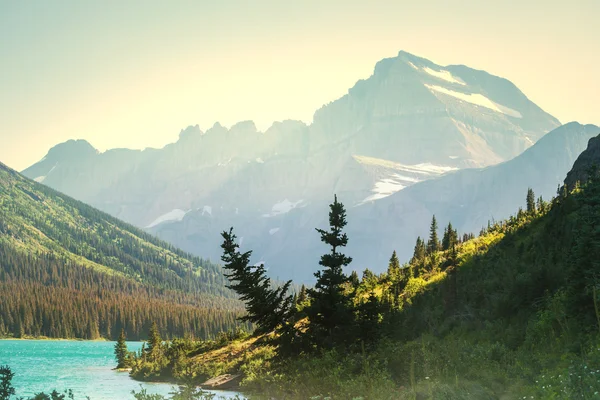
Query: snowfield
[[283, 207], [476, 99], [444, 75], [173, 215]]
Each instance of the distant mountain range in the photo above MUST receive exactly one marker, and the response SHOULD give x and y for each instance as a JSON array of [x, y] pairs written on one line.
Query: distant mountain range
[[68, 270], [411, 121]]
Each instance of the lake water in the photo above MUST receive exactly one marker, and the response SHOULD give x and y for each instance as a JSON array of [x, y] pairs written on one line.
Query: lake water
[[84, 367]]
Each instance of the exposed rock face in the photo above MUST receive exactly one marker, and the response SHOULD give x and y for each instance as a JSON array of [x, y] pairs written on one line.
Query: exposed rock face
[[411, 121], [585, 163]]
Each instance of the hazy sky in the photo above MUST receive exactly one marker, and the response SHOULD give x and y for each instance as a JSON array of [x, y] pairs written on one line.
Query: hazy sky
[[133, 73]]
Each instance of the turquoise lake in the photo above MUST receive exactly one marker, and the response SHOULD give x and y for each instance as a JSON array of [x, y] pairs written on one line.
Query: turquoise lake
[[84, 367]]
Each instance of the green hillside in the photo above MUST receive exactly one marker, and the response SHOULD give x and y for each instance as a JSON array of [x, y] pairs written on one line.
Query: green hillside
[[68, 270], [511, 314]]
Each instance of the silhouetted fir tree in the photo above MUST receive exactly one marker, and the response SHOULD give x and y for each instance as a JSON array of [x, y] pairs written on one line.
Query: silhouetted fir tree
[[393, 271], [121, 352], [6, 388], [354, 280], [419, 252], [368, 277], [433, 245], [330, 310], [530, 202], [302, 295], [267, 307]]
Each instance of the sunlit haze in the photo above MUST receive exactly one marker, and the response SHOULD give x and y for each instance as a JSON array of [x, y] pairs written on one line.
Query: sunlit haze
[[132, 74]]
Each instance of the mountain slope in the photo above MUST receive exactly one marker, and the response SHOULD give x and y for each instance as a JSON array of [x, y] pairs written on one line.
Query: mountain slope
[[413, 111], [511, 314], [411, 121], [61, 260], [587, 162], [468, 198]]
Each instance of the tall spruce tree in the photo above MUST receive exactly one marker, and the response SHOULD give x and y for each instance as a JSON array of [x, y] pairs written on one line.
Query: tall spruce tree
[[330, 309], [121, 352], [450, 238], [434, 243], [354, 280], [302, 295], [154, 345], [266, 306], [419, 252], [530, 202], [394, 267]]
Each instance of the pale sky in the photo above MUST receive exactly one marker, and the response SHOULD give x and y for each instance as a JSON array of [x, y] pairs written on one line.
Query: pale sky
[[134, 73]]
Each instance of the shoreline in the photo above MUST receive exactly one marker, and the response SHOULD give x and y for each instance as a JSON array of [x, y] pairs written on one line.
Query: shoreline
[[48, 339]]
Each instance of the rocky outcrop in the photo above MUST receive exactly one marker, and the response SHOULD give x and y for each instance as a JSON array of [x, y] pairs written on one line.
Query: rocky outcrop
[[587, 162]]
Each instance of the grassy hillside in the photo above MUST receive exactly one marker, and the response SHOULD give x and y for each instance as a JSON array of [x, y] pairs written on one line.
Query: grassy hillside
[[512, 313], [68, 270]]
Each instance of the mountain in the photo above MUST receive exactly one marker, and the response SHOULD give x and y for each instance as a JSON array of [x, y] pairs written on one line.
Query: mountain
[[68, 270], [411, 121], [468, 198], [586, 163], [510, 314]]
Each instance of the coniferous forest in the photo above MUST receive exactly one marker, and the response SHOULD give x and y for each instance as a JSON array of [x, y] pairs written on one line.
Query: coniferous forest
[[70, 271]]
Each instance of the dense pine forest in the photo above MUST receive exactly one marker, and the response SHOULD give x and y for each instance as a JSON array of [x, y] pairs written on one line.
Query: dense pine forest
[[68, 270], [511, 313]]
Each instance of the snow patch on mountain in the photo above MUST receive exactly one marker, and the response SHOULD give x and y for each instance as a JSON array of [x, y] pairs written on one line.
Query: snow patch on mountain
[[426, 169], [429, 168], [476, 99], [384, 188], [444, 75], [42, 178], [207, 210], [283, 207], [173, 215], [273, 231]]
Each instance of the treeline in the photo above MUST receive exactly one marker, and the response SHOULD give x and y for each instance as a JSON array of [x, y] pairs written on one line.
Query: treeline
[[44, 295], [68, 270], [510, 313], [86, 232]]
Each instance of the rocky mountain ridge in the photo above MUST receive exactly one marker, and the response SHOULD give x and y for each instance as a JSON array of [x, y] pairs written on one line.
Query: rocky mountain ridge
[[411, 121]]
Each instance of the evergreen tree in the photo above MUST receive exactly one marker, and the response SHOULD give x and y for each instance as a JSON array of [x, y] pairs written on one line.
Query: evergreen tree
[[121, 352], [330, 309], [302, 295], [266, 306], [6, 388], [354, 281], [394, 267], [419, 252], [434, 244], [369, 279], [450, 237], [369, 316], [530, 202], [154, 341]]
